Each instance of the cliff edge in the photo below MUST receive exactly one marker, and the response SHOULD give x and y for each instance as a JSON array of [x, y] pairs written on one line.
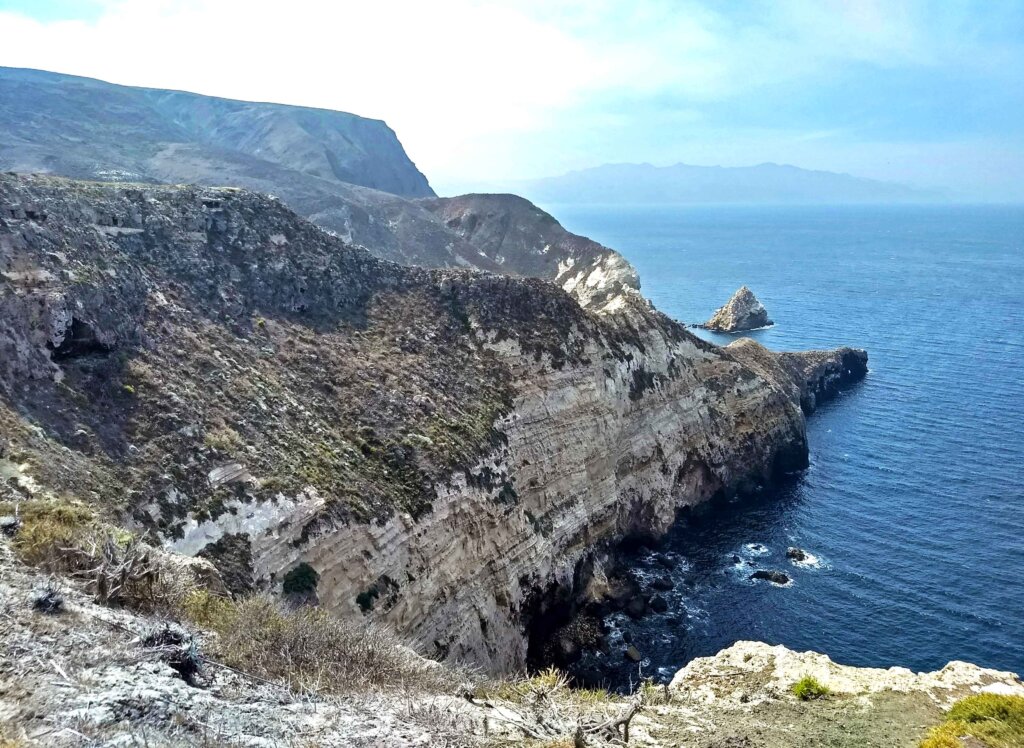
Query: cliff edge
[[207, 369]]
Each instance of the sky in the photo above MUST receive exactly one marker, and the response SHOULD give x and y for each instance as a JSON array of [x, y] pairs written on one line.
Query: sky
[[482, 93]]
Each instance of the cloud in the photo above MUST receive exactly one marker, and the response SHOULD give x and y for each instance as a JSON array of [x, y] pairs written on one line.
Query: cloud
[[486, 89]]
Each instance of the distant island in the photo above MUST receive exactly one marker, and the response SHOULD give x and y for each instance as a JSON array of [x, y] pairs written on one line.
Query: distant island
[[641, 184]]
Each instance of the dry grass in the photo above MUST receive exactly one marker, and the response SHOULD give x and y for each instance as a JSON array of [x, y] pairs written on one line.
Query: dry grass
[[310, 650], [67, 538]]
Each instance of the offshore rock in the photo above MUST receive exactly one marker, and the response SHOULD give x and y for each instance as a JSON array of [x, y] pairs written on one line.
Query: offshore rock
[[742, 312]]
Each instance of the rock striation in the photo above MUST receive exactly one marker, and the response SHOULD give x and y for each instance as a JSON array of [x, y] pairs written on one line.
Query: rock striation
[[743, 312], [447, 451]]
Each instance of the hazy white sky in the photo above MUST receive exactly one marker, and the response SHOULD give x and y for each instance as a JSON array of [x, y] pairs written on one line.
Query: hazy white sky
[[930, 94]]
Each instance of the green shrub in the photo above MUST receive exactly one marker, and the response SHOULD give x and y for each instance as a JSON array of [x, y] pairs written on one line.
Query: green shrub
[[809, 687], [995, 720]]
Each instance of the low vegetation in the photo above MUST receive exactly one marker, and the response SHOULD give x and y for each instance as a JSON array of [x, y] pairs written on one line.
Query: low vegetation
[[809, 687], [309, 650], [997, 721], [68, 538]]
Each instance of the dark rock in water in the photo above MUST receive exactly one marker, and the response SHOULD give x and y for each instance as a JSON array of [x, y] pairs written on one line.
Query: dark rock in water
[[743, 312], [632, 653], [627, 636], [637, 607], [775, 577], [659, 604], [665, 561], [736, 559], [664, 584], [796, 554]]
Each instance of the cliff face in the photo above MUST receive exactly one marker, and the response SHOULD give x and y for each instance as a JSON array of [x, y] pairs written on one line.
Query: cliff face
[[90, 129], [112, 690], [345, 173], [445, 449], [521, 238]]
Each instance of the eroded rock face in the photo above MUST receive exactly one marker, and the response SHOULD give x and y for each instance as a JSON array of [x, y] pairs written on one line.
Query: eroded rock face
[[522, 239], [442, 449], [780, 668], [742, 312]]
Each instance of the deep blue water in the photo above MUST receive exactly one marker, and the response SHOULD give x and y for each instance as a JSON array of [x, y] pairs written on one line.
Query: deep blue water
[[913, 502]]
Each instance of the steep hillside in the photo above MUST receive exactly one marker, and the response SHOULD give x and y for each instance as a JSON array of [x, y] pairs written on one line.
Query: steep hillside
[[208, 368], [90, 129], [518, 235], [345, 173]]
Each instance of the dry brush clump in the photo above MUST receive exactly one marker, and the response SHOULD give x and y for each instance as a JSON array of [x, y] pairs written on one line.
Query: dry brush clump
[[546, 710], [66, 538], [985, 719], [308, 649]]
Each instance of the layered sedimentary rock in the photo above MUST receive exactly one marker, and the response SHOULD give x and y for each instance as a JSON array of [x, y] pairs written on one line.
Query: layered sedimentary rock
[[445, 449], [742, 312]]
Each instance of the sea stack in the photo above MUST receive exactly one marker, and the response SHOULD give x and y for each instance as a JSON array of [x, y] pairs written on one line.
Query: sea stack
[[743, 312]]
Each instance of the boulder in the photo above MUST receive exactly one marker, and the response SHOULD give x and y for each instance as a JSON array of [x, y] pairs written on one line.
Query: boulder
[[636, 607], [632, 653], [796, 554], [767, 575]]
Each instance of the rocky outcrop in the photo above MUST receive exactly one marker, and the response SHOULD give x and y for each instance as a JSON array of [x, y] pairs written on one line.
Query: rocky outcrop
[[779, 668], [811, 377], [522, 239], [445, 450], [743, 312]]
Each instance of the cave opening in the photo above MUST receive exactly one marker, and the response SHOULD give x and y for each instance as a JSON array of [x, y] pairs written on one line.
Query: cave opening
[[79, 340]]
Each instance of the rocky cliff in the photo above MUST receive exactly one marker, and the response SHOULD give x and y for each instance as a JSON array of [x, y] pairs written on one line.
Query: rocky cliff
[[446, 450], [520, 237], [90, 129], [345, 173], [84, 677], [742, 312]]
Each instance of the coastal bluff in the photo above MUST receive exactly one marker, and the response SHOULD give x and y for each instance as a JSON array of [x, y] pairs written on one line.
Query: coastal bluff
[[203, 366]]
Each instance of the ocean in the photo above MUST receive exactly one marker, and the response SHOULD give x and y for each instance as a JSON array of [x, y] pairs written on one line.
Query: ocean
[[913, 505]]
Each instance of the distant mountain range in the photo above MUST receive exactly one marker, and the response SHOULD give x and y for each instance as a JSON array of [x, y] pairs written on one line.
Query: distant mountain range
[[765, 183]]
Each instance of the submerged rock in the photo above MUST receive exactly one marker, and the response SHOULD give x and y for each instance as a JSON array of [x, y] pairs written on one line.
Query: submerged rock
[[768, 575], [743, 312]]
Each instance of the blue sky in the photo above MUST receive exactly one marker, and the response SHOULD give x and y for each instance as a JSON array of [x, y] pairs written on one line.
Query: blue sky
[[484, 93]]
